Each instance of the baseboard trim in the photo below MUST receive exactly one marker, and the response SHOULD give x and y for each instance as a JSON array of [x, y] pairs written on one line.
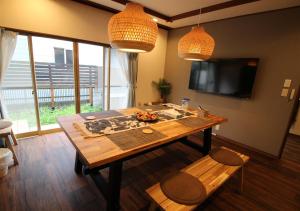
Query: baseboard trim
[[246, 147], [294, 135]]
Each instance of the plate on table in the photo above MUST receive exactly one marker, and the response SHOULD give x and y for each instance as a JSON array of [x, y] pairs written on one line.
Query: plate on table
[[147, 131], [90, 117]]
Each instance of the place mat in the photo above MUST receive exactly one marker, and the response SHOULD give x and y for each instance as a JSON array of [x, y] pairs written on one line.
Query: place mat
[[101, 115], [133, 138], [226, 157], [194, 121], [183, 188], [154, 107]]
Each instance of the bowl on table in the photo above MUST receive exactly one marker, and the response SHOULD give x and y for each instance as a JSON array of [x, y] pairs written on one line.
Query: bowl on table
[[146, 116]]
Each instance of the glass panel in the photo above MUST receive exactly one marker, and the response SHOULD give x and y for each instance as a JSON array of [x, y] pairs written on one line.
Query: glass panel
[[91, 77], [17, 98], [118, 81], [55, 80]]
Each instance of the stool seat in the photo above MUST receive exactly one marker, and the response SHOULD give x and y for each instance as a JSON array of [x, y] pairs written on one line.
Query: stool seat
[[183, 188], [5, 124], [226, 157]]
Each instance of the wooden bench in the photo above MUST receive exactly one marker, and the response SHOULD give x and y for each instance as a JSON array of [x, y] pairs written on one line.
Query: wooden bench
[[211, 173]]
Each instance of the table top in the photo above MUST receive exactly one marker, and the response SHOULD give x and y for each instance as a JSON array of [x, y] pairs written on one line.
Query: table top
[[98, 151]]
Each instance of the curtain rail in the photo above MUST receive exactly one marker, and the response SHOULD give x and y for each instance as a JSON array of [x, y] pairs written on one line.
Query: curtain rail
[[40, 34]]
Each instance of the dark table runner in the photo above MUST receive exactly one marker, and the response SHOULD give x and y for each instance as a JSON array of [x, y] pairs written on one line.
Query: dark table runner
[[134, 138], [101, 115]]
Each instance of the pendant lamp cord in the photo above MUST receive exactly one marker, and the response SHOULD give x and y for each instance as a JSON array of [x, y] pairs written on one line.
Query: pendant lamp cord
[[199, 17]]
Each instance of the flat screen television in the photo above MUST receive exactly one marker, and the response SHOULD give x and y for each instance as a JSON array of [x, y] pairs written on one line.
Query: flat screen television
[[229, 77]]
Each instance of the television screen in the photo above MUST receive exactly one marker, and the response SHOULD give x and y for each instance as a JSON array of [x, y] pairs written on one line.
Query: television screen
[[230, 77]]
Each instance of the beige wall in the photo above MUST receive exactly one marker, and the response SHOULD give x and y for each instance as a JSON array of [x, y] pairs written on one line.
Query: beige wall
[[151, 68], [70, 19], [58, 17], [274, 38]]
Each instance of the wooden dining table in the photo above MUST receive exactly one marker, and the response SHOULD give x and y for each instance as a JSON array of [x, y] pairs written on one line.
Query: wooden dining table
[[96, 153]]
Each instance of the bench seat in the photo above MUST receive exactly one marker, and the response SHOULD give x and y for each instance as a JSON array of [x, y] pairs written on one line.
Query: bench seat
[[210, 172]]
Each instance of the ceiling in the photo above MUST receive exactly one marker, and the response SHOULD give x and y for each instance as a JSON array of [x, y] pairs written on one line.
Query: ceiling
[[172, 8]]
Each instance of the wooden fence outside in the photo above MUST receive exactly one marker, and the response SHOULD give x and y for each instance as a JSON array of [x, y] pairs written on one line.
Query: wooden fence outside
[[55, 82]]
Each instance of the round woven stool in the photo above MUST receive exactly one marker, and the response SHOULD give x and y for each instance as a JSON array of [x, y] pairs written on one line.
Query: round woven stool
[[5, 160], [6, 133]]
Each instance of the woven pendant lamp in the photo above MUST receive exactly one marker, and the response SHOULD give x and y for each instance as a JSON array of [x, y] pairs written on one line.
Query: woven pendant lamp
[[132, 30], [196, 45]]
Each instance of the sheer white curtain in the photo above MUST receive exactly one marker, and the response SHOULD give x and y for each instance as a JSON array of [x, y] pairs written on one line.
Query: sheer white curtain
[[8, 41], [129, 66]]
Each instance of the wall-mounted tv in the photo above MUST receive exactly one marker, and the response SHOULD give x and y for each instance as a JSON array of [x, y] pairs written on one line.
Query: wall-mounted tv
[[229, 77]]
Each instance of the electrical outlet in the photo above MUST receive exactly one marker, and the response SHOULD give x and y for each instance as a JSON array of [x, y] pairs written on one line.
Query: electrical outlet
[[284, 92], [217, 127], [287, 83]]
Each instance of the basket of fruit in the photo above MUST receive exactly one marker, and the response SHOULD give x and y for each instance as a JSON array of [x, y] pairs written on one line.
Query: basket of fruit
[[146, 116]]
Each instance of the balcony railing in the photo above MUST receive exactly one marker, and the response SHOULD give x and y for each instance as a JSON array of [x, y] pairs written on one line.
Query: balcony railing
[[55, 84]]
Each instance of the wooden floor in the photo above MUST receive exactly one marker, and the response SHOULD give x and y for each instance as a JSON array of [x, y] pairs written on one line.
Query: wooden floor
[[45, 180], [291, 149]]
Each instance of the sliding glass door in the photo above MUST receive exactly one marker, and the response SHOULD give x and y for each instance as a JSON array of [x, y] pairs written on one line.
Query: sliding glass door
[[91, 78], [44, 74], [17, 99], [53, 60]]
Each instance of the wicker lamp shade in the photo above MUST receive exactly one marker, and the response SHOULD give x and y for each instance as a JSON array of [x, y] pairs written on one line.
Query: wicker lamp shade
[[132, 30], [196, 45]]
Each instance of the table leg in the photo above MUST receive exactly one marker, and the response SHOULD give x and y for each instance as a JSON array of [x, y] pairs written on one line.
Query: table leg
[[78, 164], [207, 141], [241, 179], [114, 186]]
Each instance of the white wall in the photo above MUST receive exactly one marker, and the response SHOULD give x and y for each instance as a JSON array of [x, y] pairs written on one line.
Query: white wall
[[74, 20]]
